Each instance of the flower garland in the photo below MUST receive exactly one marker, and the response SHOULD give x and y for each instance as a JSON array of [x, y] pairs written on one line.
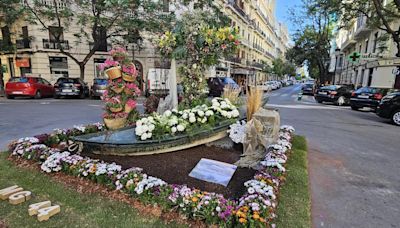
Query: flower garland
[[256, 208]]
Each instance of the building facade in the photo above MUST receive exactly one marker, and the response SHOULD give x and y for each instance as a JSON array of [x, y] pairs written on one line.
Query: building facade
[[377, 64], [27, 49]]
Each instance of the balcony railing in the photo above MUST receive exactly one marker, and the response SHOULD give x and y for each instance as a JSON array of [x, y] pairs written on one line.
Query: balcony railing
[[238, 9], [52, 44], [235, 59], [23, 44], [6, 46]]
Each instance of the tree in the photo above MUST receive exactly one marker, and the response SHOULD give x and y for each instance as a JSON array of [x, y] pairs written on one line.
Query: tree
[[10, 12], [278, 67], [96, 21], [289, 69], [312, 39], [378, 14]]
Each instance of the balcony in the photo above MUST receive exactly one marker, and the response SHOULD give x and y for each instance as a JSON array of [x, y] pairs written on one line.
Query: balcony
[[236, 60], [362, 28], [23, 44], [238, 10], [6, 46], [104, 47], [51, 44]]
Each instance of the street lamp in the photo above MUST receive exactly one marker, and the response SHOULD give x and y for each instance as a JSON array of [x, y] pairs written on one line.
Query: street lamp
[[337, 53]]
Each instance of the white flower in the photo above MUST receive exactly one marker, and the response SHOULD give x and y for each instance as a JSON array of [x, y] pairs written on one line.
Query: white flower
[[218, 209], [180, 127], [143, 137], [185, 116], [192, 119], [209, 113], [200, 113], [152, 127], [173, 129], [235, 113], [250, 190], [167, 113]]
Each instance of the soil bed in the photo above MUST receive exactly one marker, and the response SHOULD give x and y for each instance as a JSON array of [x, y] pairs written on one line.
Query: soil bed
[[175, 167]]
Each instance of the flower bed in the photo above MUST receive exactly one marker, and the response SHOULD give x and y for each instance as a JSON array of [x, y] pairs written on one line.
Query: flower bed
[[256, 208]]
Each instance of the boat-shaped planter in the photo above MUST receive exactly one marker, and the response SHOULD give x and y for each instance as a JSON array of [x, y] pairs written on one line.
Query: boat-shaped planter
[[124, 142]]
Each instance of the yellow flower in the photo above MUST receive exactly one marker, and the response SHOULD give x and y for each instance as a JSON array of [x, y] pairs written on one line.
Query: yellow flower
[[195, 199], [256, 216], [242, 220]]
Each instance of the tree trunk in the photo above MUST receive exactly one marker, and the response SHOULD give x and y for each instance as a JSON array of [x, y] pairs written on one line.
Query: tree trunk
[[396, 40], [1, 83], [82, 71]]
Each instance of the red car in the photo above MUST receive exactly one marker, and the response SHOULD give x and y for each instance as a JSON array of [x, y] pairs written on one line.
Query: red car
[[34, 87]]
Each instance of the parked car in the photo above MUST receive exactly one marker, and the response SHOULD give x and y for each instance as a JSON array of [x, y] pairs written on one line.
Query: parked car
[[98, 87], [265, 87], [308, 88], [34, 87], [367, 97], [70, 87], [338, 94], [272, 84], [216, 85], [389, 107]]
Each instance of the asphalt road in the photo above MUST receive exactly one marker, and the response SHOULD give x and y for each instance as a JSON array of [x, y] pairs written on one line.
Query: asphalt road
[[354, 161], [354, 158]]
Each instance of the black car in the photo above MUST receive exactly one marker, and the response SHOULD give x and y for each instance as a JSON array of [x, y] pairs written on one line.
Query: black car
[[70, 87], [338, 94], [308, 88], [367, 97], [98, 87], [389, 107]]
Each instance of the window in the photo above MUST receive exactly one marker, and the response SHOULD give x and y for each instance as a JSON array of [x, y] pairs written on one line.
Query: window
[[375, 42], [58, 66], [366, 46], [371, 72], [56, 32], [5, 32]]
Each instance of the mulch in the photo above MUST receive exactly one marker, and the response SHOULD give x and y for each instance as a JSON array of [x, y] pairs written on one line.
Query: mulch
[[174, 167]]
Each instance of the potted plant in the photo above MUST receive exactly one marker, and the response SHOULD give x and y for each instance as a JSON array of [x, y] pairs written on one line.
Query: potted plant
[[129, 72], [114, 121], [119, 54], [131, 89], [111, 68], [117, 86], [114, 104], [130, 105]]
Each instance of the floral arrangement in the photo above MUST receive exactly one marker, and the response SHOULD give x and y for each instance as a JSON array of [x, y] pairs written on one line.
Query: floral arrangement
[[256, 208], [173, 122], [109, 63], [237, 131], [151, 104], [198, 46], [121, 89]]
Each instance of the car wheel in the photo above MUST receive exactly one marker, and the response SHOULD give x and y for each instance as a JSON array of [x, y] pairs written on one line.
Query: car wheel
[[82, 96], [341, 101], [38, 95], [55, 96], [9, 97], [319, 101], [396, 117], [354, 108]]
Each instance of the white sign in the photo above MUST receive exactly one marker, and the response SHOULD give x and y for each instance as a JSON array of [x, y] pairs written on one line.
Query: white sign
[[213, 171]]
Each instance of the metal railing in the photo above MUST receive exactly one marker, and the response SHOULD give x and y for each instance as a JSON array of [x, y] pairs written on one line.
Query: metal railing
[[23, 44], [52, 44]]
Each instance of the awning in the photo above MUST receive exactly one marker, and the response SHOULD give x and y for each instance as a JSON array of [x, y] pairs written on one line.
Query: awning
[[240, 71]]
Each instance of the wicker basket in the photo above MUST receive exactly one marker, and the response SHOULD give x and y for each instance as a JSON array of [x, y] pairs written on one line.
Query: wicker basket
[[118, 89], [114, 124], [113, 73], [128, 78], [128, 91], [128, 108], [116, 109]]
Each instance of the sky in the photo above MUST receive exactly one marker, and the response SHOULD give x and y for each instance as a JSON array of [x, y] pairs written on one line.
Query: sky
[[282, 8]]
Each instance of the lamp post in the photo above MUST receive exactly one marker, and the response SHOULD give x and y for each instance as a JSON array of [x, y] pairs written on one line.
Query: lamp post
[[337, 53]]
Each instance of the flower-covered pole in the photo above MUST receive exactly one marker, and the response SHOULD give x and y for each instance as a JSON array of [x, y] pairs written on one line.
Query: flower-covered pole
[[172, 86]]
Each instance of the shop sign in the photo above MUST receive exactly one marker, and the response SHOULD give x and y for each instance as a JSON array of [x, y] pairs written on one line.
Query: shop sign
[[23, 62]]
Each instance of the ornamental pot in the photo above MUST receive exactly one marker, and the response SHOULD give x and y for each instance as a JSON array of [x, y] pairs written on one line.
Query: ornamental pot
[[114, 124], [128, 108], [116, 109], [117, 89], [113, 72], [128, 78], [128, 91]]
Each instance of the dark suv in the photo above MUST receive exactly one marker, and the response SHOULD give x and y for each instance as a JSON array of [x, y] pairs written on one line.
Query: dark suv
[[338, 94], [71, 87], [389, 107]]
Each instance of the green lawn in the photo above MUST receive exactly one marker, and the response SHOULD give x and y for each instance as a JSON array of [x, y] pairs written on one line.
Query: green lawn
[[294, 208], [77, 210]]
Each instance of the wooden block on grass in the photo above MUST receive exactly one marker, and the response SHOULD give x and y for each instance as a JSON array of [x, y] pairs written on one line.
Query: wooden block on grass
[[19, 197], [33, 208], [45, 213], [6, 192]]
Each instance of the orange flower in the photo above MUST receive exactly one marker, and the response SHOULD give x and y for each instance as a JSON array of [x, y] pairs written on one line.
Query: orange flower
[[242, 220], [256, 216], [262, 220], [195, 199]]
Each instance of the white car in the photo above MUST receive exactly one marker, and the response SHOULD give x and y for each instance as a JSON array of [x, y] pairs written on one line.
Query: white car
[[265, 87], [272, 84]]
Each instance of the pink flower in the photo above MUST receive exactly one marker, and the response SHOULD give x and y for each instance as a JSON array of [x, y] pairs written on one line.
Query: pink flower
[[223, 46], [130, 69], [134, 87], [131, 103], [108, 64], [116, 51]]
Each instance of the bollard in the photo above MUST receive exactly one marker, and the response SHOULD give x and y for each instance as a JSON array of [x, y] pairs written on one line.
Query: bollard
[[299, 96]]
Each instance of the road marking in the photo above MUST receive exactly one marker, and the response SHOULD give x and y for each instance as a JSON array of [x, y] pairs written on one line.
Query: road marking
[[93, 105], [284, 95], [301, 106], [44, 103]]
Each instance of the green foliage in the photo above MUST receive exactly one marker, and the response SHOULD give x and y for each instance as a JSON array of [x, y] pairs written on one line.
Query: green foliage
[[379, 15], [10, 11]]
